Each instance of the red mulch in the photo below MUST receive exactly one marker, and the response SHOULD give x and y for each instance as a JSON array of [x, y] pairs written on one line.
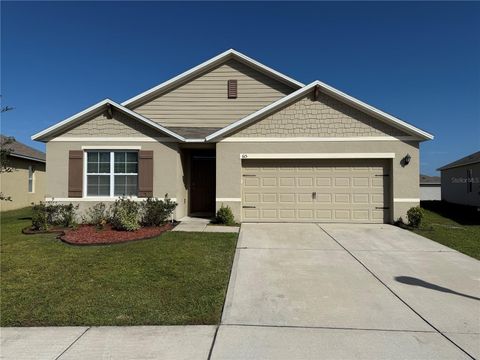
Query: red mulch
[[89, 235]]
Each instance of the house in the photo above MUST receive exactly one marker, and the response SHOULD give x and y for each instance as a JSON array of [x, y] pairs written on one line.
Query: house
[[24, 182], [233, 131], [430, 188], [461, 180]]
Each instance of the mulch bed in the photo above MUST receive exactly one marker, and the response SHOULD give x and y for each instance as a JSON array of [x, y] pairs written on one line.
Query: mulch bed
[[90, 235]]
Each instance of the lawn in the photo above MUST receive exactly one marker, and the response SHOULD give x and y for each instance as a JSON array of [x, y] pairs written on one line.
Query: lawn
[[176, 278], [462, 234]]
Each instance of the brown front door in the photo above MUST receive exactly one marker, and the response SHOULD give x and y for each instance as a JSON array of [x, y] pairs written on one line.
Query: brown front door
[[202, 184]]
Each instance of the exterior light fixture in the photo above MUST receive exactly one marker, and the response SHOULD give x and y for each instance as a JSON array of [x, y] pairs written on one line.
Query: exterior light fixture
[[407, 159]]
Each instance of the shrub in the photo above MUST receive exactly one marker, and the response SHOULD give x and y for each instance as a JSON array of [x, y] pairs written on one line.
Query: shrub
[[96, 215], [156, 212], [40, 216], [65, 215], [124, 215], [415, 216], [46, 214], [225, 216]]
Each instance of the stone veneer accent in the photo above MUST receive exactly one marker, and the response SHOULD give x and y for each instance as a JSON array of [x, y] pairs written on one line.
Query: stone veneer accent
[[326, 117], [120, 125]]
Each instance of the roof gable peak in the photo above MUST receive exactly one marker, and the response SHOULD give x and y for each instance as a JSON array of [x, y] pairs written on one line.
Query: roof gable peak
[[205, 66]]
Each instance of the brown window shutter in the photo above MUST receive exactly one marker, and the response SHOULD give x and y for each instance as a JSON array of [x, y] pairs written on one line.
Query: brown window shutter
[[145, 173], [75, 173], [232, 89]]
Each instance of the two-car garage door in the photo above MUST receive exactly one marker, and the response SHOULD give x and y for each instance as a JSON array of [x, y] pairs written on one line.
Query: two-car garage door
[[316, 190]]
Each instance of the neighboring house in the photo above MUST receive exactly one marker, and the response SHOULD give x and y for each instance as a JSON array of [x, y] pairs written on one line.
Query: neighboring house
[[461, 180], [235, 132], [430, 188], [25, 182]]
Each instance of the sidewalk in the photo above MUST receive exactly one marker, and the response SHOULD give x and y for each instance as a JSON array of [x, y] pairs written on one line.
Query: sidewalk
[[107, 342]]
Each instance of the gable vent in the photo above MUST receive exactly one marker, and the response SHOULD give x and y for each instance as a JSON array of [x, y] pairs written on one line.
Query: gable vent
[[232, 89]]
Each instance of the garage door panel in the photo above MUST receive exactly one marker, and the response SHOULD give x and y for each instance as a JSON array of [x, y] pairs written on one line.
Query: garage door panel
[[269, 214], [342, 198], [361, 215], [287, 214], [305, 198], [251, 197], [316, 190], [287, 198], [304, 181], [269, 198], [287, 181], [305, 214], [323, 181]]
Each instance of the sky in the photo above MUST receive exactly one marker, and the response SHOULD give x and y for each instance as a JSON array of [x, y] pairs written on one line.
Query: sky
[[417, 61]]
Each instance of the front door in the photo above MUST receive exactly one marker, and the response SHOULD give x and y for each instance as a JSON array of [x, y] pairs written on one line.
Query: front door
[[202, 184]]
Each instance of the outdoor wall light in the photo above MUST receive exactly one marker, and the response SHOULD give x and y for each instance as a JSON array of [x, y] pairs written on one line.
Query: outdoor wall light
[[407, 159]]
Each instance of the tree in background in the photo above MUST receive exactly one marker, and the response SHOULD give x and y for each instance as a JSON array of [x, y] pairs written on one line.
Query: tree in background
[[5, 151]]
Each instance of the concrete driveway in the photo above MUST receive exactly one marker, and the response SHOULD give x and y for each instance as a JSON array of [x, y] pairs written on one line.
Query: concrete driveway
[[309, 291]]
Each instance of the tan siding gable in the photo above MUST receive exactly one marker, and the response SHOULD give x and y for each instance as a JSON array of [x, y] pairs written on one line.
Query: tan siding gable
[[326, 117], [118, 126], [203, 102]]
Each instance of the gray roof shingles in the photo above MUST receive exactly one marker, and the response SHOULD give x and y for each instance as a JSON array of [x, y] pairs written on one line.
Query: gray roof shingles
[[194, 132], [469, 159], [24, 151], [429, 180]]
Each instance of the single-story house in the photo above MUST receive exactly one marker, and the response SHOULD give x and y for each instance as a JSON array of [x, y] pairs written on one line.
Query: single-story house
[[23, 175], [233, 131], [461, 180], [430, 188]]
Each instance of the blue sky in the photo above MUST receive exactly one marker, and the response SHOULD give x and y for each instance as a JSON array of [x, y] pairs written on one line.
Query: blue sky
[[417, 61]]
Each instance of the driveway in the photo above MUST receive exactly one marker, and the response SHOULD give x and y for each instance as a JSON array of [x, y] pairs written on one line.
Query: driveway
[[334, 291]]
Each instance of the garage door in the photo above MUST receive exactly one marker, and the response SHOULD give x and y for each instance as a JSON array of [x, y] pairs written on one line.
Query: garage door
[[316, 190]]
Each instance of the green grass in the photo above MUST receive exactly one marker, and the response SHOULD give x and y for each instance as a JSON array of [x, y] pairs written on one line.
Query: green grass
[[463, 238], [176, 278]]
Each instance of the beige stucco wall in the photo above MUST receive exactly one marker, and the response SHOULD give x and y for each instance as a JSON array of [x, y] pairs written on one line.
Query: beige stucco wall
[[203, 101], [15, 184], [168, 179], [325, 117], [404, 179], [455, 187]]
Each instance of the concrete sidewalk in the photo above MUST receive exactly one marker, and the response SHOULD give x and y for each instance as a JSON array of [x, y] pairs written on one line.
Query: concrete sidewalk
[[127, 342], [191, 224]]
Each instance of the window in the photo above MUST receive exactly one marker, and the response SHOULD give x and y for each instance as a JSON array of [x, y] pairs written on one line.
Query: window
[[30, 179], [112, 173], [469, 180]]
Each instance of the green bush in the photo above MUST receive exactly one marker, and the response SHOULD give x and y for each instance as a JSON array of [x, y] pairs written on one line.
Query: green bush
[[156, 212], [96, 215], [124, 214], [225, 216], [415, 216], [65, 215], [40, 216], [46, 214]]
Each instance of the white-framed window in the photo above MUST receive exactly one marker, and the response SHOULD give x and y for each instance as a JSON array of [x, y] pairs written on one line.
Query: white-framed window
[[31, 179], [111, 173]]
